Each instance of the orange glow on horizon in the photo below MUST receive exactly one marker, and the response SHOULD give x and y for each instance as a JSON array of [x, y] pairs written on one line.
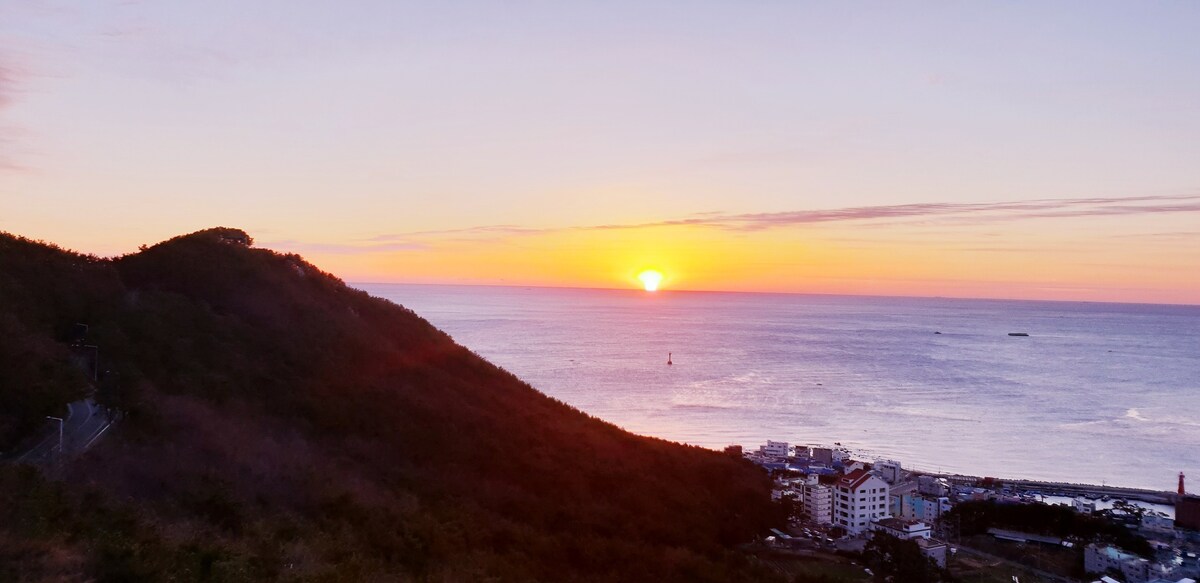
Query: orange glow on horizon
[[846, 260]]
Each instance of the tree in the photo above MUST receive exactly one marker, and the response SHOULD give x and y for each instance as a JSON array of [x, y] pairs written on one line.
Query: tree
[[900, 561]]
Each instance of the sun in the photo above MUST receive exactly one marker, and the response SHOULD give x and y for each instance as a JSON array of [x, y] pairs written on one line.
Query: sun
[[650, 279]]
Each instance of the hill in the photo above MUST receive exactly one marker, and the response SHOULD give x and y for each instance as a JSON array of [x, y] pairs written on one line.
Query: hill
[[279, 425]]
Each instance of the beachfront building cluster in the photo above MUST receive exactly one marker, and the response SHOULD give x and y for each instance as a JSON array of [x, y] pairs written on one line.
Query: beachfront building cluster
[[832, 489], [833, 494]]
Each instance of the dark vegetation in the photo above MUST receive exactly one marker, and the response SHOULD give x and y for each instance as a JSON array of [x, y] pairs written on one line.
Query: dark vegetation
[[278, 425], [895, 560], [975, 517]]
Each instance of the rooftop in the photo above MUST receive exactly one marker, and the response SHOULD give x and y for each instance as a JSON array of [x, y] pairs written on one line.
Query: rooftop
[[855, 479], [1018, 536], [901, 524]]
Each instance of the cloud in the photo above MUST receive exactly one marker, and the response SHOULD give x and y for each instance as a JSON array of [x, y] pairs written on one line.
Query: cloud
[[922, 213], [8, 90], [953, 212], [1163, 236], [465, 233], [7, 84], [305, 248]]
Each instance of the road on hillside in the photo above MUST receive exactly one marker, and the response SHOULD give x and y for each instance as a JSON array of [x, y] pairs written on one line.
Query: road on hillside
[[83, 424]]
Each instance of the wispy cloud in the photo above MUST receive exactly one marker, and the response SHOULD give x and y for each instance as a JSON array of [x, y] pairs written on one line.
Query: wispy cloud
[[7, 83], [8, 90], [948, 212], [304, 248], [465, 233], [1163, 236], [922, 213]]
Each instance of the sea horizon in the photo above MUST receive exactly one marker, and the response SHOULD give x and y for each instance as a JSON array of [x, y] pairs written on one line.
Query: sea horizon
[[787, 363], [358, 285]]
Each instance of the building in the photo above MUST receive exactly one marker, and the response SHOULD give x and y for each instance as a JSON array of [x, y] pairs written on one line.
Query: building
[[970, 493], [933, 486], [889, 470], [914, 507], [818, 503], [1158, 523], [775, 448], [933, 549], [852, 466], [823, 455], [1187, 512], [903, 529], [1024, 538], [1134, 569], [1083, 505], [859, 499], [1103, 559]]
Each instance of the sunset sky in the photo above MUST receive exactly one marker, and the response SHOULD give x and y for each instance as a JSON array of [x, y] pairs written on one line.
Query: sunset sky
[[1016, 150]]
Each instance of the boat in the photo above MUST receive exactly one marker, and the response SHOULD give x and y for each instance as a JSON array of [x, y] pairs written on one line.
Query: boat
[[1018, 334]]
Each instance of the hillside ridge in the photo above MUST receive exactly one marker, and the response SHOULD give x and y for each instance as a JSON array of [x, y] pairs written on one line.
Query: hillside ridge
[[280, 425]]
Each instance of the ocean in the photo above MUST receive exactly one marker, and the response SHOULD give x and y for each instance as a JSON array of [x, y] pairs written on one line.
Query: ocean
[[1097, 393]]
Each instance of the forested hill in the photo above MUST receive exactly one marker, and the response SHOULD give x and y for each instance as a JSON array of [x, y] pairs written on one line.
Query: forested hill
[[278, 425]]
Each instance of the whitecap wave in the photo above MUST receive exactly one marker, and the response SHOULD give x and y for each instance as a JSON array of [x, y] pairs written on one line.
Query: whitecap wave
[[1134, 414]]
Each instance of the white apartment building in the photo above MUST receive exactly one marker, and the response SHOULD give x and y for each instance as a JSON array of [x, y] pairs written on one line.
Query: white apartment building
[[859, 499], [933, 486], [818, 503], [903, 529], [775, 448], [889, 470]]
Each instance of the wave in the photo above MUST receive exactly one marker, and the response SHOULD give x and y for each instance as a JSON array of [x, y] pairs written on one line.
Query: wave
[[702, 407], [1133, 423]]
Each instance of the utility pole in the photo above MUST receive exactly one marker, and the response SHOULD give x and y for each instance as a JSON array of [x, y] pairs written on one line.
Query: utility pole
[[95, 360], [60, 433]]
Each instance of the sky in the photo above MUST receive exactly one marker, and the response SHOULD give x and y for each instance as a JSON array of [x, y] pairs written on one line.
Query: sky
[[1005, 149]]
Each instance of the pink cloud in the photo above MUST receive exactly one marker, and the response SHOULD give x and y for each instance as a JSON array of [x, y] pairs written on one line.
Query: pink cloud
[[924, 213], [8, 91]]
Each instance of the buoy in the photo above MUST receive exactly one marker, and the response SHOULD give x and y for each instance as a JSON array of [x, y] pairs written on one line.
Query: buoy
[[669, 363]]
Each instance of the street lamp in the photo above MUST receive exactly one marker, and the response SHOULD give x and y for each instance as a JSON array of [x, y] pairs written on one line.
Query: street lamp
[[60, 432]]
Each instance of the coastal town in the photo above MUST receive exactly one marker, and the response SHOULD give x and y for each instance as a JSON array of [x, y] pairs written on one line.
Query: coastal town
[[1056, 532]]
